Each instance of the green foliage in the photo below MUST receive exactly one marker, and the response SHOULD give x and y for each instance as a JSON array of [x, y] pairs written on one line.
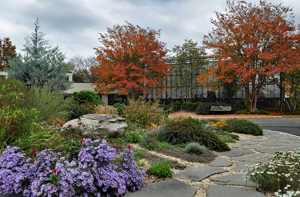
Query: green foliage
[[161, 169], [185, 131], [279, 173], [139, 154], [133, 127], [189, 58], [243, 126], [262, 112], [175, 106], [142, 112], [211, 96], [120, 107], [210, 127], [197, 121], [195, 148], [75, 109], [189, 106], [50, 103], [203, 109], [150, 143], [41, 64], [164, 145], [86, 96], [133, 137]]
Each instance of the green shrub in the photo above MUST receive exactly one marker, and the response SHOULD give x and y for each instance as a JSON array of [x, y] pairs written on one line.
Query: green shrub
[[142, 112], [210, 127], [175, 106], [133, 137], [203, 109], [120, 107], [161, 169], [263, 112], [243, 126], [51, 103], [86, 96], [139, 154], [195, 148], [75, 109], [185, 131], [195, 120], [164, 145], [189, 106], [279, 173]]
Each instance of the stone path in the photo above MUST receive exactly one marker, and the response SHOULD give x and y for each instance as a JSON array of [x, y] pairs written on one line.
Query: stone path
[[229, 167]]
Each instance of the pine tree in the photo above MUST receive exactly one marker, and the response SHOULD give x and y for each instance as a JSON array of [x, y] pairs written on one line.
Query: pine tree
[[41, 65]]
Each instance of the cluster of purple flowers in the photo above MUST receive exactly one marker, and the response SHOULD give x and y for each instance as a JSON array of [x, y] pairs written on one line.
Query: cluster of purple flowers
[[99, 171]]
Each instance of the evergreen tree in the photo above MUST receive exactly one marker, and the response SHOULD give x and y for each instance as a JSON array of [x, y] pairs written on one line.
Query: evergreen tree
[[41, 65]]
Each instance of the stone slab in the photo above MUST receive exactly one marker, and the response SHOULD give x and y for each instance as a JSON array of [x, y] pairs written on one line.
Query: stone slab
[[199, 185], [220, 162], [282, 143], [257, 157], [200, 173], [222, 191], [274, 150], [236, 152], [235, 179], [255, 147], [167, 188], [240, 166]]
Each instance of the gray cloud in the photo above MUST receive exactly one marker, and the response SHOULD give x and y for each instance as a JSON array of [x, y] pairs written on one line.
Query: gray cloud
[[75, 25]]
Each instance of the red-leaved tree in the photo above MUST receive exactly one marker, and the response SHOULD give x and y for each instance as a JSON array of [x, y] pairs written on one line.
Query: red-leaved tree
[[254, 42], [131, 60]]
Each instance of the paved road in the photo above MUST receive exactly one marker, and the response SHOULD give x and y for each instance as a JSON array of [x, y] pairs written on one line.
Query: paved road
[[287, 125]]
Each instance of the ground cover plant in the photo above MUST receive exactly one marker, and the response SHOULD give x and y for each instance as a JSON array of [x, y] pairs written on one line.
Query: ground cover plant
[[279, 173]]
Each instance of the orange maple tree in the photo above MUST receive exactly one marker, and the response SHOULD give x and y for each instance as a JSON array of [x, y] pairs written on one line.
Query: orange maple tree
[[254, 42], [131, 60]]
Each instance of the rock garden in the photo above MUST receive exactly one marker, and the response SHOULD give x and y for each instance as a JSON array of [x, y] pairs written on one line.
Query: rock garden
[[52, 146]]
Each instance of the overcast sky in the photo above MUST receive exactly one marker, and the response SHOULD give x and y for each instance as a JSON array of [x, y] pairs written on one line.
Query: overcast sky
[[74, 25]]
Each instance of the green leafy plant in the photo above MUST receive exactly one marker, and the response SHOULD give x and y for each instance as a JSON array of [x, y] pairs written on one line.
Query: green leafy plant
[[150, 143], [242, 126], [120, 107], [279, 173], [133, 137], [86, 96], [264, 112], [203, 109], [189, 106], [195, 148], [175, 106], [142, 112], [161, 169], [185, 131]]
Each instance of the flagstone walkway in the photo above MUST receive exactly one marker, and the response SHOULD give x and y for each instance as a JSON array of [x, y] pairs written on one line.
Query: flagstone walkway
[[225, 175]]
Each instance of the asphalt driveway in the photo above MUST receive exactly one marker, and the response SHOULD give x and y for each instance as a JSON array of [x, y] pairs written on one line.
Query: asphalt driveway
[[287, 125]]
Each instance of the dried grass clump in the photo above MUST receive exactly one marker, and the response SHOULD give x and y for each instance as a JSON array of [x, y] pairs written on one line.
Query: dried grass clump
[[182, 115], [106, 109]]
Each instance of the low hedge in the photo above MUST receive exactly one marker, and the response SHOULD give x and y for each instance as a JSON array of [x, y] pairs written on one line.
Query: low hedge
[[242, 126]]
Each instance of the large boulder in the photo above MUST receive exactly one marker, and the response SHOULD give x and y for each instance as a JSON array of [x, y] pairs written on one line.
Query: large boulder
[[94, 124]]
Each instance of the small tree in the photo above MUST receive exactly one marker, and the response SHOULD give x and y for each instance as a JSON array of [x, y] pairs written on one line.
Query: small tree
[[132, 60], [7, 49], [190, 59], [292, 89], [255, 42], [41, 65]]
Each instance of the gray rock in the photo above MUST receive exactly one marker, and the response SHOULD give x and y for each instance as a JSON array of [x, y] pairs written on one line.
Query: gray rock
[[257, 157], [222, 191], [240, 166], [167, 188], [236, 153], [235, 179], [199, 185], [281, 143], [220, 162], [111, 125], [200, 173], [255, 147], [274, 150]]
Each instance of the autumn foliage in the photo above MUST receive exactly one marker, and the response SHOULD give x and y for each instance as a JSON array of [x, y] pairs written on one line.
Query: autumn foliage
[[7, 49], [252, 43], [132, 60]]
